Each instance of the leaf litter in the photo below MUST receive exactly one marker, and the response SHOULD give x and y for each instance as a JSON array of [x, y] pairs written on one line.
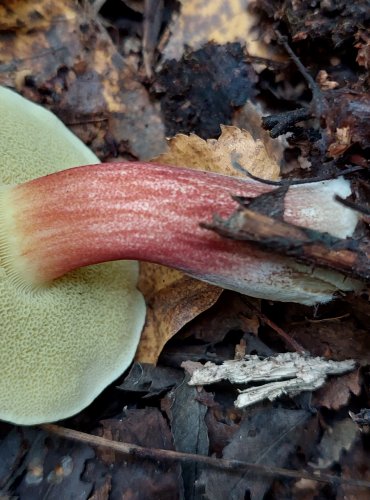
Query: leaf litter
[[115, 99]]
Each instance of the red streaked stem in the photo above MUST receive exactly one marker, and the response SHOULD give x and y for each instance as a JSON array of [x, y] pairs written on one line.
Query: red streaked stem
[[139, 211]]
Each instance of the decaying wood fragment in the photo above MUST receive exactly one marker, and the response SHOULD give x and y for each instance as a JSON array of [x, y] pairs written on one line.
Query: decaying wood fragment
[[287, 373], [348, 256]]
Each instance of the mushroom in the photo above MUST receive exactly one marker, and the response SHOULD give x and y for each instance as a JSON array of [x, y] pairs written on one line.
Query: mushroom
[[63, 343], [68, 333]]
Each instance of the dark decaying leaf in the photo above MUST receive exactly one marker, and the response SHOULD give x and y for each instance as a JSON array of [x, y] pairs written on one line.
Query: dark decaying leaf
[[11, 455], [175, 355], [222, 423], [362, 419], [337, 340], [355, 465], [189, 429], [336, 20], [201, 91], [231, 312], [43, 466], [150, 379], [129, 476], [336, 439], [265, 436]]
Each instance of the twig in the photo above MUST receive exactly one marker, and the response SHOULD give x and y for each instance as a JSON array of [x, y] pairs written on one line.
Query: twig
[[293, 182], [350, 204], [315, 89], [282, 123], [293, 344], [269, 63], [317, 107], [177, 456]]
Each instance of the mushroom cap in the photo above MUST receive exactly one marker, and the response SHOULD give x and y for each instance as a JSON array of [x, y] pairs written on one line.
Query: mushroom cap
[[63, 343]]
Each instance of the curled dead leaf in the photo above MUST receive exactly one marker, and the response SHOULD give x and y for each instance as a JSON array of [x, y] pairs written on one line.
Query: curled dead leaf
[[337, 392], [173, 299], [216, 155]]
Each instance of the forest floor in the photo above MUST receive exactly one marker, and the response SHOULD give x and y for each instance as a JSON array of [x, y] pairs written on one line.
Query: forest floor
[[283, 87]]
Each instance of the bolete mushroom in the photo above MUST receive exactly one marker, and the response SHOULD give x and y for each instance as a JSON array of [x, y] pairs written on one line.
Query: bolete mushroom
[[63, 343], [64, 338]]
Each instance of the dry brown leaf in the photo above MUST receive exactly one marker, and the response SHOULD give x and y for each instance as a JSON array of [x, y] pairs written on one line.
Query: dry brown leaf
[[57, 54], [26, 16], [221, 21], [230, 312], [216, 155], [174, 299], [337, 391], [249, 118], [336, 339], [154, 278], [354, 465]]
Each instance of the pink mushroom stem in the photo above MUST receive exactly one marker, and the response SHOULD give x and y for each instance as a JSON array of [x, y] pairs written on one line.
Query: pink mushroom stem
[[149, 212]]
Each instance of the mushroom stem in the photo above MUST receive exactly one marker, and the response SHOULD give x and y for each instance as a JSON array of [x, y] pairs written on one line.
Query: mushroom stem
[[149, 212]]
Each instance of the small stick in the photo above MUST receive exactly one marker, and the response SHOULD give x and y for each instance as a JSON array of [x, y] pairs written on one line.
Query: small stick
[[315, 89], [355, 206], [178, 456], [283, 122], [295, 182], [293, 344]]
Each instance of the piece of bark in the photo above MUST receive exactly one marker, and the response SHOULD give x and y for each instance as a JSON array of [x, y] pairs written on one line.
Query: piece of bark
[[350, 257], [287, 373]]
